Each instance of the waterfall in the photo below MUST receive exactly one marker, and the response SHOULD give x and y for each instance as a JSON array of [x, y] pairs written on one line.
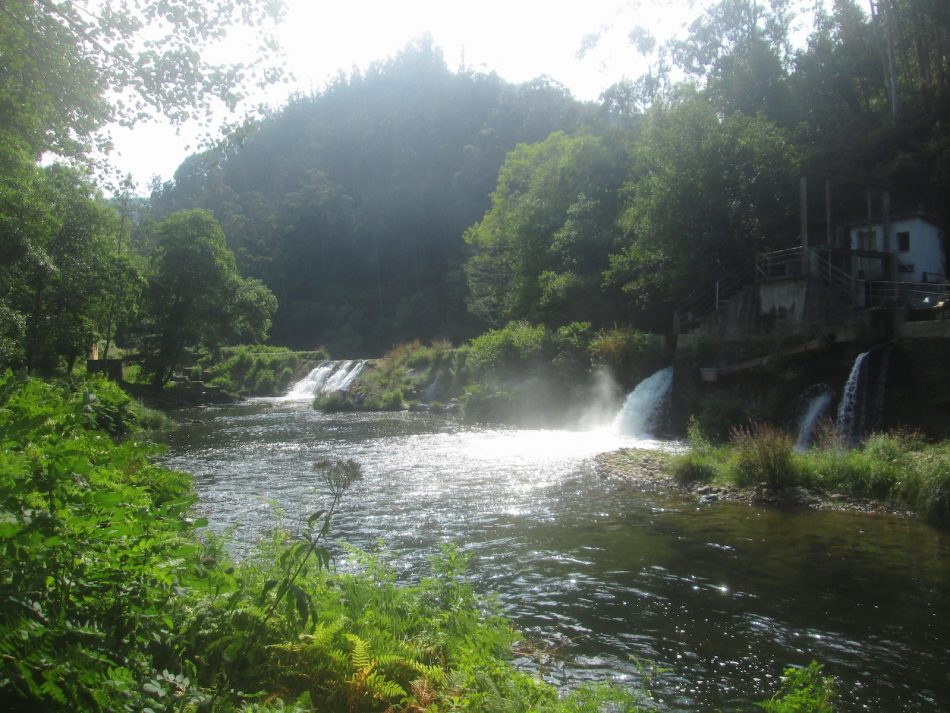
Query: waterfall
[[644, 406], [327, 377], [850, 422], [862, 403], [343, 378], [819, 399]]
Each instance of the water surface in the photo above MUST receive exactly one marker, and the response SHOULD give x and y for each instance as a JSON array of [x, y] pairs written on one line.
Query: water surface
[[722, 596]]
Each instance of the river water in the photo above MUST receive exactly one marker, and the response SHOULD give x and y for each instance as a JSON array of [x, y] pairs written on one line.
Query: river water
[[602, 575]]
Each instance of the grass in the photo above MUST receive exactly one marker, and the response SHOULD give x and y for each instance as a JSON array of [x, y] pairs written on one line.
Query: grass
[[896, 468]]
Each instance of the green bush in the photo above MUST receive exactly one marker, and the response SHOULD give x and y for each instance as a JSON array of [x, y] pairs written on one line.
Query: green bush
[[628, 351], [692, 467], [333, 403], [391, 401], [763, 454], [512, 348], [803, 690], [481, 403]]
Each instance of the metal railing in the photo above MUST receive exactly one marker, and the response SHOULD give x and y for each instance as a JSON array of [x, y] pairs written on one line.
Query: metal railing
[[823, 269], [789, 263], [711, 298]]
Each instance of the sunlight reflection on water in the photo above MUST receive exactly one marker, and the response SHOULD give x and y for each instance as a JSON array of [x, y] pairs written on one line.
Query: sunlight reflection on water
[[723, 595]]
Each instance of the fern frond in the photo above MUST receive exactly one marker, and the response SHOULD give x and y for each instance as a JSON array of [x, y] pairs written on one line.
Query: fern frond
[[382, 688], [360, 655]]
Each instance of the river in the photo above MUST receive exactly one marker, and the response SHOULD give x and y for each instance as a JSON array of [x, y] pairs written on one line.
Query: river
[[606, 577]]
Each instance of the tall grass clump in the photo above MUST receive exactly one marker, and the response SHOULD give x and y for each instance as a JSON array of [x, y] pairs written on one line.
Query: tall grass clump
[[700, 463], [405, 375], [803, 690], [762, 454], [897, 467], [512, 349]]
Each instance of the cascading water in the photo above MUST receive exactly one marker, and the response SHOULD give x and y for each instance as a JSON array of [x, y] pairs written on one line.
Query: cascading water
[[645, 404], [818, 399], [862, 403], [343, 378], [850, 421], [327, 377]]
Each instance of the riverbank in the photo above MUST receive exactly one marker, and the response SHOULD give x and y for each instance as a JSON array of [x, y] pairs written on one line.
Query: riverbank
[[651, 471], [897, 474], [113, 597]]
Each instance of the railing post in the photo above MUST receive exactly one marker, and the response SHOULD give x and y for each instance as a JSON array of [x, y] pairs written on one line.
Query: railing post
[[717, 295]]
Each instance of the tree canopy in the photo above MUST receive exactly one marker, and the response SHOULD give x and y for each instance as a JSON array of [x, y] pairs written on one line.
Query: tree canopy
[[196, 297], [69, 69], [408, 201]]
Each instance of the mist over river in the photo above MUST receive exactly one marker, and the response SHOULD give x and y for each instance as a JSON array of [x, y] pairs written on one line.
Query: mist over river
[[722, 596]]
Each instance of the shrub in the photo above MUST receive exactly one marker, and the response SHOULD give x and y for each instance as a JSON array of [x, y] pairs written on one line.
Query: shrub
[[264, 381], [511, 348], [628, 351], [803, 690], [763, 454], [391, 401], [692, 467], [480, 403], [333, 403], [285, 377]]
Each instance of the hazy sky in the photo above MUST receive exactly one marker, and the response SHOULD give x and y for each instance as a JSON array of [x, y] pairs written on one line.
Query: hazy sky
[[518, 39]]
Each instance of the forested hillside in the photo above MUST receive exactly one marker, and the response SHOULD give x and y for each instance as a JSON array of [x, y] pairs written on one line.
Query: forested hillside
[[352, 204], [411, 201]]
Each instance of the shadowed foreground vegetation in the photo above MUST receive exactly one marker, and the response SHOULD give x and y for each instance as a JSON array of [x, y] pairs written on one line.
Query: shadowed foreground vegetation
[[110, 598]]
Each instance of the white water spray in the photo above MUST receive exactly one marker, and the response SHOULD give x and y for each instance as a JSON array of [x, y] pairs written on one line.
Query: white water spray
[[327, 377], [644, 405], [816, 409], [848, 422]]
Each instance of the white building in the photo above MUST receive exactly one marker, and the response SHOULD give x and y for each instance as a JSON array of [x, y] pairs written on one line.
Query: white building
[[916, 243]]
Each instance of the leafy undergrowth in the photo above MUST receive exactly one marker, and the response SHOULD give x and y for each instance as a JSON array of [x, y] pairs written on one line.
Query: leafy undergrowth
[[409, 374], [109, 601], [897, 468]]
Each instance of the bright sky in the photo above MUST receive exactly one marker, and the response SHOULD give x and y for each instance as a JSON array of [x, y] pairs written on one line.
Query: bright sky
[[518, 39]]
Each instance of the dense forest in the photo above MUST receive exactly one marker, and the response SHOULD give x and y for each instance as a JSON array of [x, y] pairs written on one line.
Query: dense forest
[[410, 201]]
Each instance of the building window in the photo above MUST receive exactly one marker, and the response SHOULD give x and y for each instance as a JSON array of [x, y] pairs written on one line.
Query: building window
[[903, 241], [866, 240]]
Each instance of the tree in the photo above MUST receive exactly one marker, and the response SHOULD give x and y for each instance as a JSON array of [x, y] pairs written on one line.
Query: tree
[[69, 69], [351, 204], [539, 251], [706, 194], [66, 71], [196, 296], [57, 291]]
